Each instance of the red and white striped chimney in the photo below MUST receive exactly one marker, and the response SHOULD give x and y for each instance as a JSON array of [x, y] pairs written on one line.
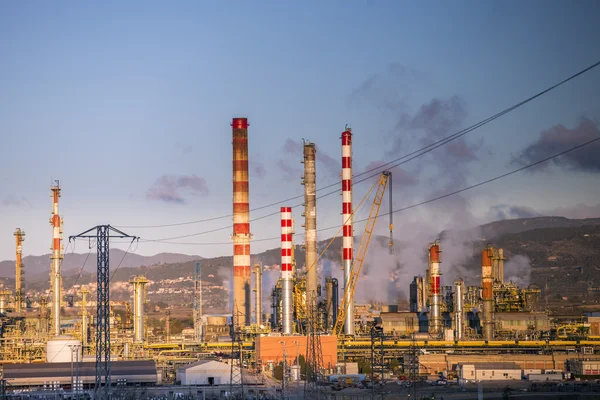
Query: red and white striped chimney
[[56, 257], [286, 271], [348, 235], [241, 224]]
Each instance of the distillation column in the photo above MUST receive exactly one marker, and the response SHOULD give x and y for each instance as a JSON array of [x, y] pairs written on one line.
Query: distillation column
[[19, 234], [139, 284], [287, 283], [310, 218], [84, 317], [487, 292], [459, 316], [241, 224], [198, 302], [258, 290], [434, 288], [56, 257], [348, 234], [4, 296]]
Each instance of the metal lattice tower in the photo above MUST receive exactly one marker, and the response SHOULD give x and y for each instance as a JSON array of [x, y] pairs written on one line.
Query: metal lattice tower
[[377, 359], [314, 353], [236, 381], [102, 236], [413, 366]]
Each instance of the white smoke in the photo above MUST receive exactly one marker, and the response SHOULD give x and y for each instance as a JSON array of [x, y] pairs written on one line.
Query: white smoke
[[517, 269]]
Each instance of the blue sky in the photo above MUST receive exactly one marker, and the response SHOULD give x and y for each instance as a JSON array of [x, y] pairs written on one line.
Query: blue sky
[[110, 97]]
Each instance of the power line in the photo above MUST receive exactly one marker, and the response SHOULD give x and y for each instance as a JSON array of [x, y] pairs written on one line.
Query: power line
[[416, 153], [434, 198]]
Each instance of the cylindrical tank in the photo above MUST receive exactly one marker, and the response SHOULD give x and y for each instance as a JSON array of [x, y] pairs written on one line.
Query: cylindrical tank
[[61, 348], [459, 322]]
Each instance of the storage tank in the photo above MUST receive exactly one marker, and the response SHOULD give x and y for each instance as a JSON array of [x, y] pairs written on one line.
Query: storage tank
[[60, 349]]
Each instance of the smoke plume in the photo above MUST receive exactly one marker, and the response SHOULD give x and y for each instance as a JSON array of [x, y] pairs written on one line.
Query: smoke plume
[[517, 269], [168, 188]]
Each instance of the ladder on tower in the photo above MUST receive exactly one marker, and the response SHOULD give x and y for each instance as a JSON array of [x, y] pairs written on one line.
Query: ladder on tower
[[362, 251]]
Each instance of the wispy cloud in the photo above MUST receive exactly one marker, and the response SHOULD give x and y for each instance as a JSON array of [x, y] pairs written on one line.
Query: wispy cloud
[[399, 175], [560, 138], [14, 201], [168, 188], [295, 150], [185, 149], [506, 211], [257, 166]]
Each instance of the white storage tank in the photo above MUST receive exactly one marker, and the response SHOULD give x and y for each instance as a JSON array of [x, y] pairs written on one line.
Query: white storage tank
[[60, 348]]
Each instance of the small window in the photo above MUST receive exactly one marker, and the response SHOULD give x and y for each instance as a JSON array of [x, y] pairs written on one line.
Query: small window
[[482, 373], [493, 373], [506, 375]]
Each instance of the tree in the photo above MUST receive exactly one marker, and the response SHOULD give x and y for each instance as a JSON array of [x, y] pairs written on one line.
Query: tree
[[278, 372], [364, 366]]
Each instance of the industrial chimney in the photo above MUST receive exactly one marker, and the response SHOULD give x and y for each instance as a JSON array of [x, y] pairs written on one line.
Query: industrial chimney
[[241, 224], [487, 292], [310, 218], [56, 257], [19, 234], [347, 220], [258, 282], [435, 316], [287, 284]]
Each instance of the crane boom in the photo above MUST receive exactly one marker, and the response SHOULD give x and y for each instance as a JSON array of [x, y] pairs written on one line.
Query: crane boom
[[362, 252]]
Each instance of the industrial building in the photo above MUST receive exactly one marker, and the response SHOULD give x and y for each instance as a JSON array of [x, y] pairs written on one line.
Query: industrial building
[[205, 372], [40, 374], [486, 371]]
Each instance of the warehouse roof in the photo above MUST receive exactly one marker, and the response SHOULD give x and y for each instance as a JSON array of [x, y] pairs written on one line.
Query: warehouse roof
[[120, 368], [197, 363]]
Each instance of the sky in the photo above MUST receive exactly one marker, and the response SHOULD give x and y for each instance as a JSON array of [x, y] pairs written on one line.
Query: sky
[[129, 106]]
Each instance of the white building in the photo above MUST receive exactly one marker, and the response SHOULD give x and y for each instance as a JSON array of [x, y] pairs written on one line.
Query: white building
[[492, 371], [205, 372]]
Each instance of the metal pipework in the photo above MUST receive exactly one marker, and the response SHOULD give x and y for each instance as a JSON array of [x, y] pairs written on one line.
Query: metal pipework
[[241, 224], [310, 218], [56, 257], [435, 326], [287, 284], [487, 292], [459, 316], [139, 285], [347, 220], [258, 281], [19, 234]]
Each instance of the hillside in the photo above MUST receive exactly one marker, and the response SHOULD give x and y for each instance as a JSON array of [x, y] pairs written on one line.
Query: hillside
[[560, 253], [35, 266]]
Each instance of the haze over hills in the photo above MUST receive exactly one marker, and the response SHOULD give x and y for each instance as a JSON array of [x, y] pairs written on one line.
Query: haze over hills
[[556, 251], [73, 262]]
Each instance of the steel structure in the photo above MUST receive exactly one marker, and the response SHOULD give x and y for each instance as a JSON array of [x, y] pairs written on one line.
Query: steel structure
[[487, 292], [434, 289], [310, 216], [314, 353], [102, 236], [19, 234], [198, 330], [56, 257], [258, 298], [459, 312], [139, 298], [84, 317], [348, 234], [236, 377], [287, 316], [342, 317], [241, 220]]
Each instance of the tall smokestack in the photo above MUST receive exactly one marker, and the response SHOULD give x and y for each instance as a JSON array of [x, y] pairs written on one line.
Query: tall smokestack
[[286, 270], [486, 284], [258, 307], [435, 326], [139, 286], [198, 330], [459, 316], [310, 218], [501, 260], [19, 234], [241, 224], [56, 257], [348, 234]]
